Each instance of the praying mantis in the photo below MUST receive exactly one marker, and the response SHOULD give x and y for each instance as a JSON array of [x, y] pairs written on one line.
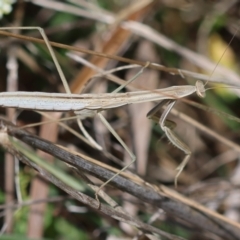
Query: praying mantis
[[86, 105]]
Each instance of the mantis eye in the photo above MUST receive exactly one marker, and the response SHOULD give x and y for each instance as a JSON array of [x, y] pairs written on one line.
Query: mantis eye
[[200, 89]]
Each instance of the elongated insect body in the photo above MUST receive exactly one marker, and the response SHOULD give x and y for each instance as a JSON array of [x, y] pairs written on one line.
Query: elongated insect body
[[89, 104], [74, 102]]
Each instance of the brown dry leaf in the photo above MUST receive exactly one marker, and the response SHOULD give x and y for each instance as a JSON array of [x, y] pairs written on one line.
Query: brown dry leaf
[[39, 189], [141, 125], [113, 45]]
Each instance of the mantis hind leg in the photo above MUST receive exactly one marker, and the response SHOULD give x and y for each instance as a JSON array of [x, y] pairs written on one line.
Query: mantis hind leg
[[133, 157], [114, 133]]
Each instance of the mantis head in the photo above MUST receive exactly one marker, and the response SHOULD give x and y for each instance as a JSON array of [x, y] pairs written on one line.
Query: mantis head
[[200, 89]]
